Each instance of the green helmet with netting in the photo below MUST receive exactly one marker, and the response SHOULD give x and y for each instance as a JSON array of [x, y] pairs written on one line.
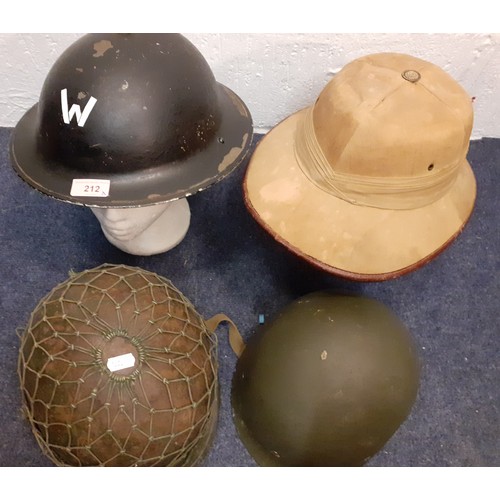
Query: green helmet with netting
[[118, 369], [325, 383]]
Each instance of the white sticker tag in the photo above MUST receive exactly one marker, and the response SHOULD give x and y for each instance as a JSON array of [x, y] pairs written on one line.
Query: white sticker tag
[[90, 187], [120, 362]]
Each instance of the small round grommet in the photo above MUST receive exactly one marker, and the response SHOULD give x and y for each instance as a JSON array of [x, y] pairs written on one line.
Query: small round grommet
[[411, 75]]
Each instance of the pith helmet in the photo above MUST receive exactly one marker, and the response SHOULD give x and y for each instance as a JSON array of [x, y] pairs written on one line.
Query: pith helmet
[[141, 116], [371, 181], [118, 369], [326, 383]]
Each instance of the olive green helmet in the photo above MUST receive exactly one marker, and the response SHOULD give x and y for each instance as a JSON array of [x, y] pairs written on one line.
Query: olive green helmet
[[326, 383]]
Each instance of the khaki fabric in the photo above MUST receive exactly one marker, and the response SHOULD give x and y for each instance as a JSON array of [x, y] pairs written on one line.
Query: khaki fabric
[[347, 238], [371, 181], [368, 118]]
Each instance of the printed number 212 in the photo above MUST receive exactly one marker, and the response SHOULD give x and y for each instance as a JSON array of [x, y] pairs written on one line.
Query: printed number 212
[[91, 189]]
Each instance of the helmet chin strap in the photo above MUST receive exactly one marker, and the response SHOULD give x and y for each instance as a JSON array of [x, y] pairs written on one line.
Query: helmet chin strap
[[235, 339]]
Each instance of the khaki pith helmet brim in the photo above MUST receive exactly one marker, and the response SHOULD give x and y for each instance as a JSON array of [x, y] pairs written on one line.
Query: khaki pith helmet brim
[[351, 241]]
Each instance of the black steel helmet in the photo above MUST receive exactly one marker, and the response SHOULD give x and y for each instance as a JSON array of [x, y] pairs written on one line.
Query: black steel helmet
[[326, 383], [139, 118]]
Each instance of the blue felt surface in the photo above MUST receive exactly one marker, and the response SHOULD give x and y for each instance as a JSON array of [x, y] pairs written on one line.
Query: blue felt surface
[[228, 264]]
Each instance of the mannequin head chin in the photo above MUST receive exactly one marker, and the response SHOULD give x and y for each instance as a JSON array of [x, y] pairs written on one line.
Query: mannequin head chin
[[125, 224], [145, 230]]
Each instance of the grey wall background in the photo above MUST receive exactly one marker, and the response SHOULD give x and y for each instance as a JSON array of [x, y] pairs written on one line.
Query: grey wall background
[[277, 73]]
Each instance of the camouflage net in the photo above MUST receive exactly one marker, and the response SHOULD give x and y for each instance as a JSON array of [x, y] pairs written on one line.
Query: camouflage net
[[118, 369]]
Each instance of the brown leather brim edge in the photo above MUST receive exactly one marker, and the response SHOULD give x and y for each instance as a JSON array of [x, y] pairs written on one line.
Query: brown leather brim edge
[[334, 270], [340, 272]]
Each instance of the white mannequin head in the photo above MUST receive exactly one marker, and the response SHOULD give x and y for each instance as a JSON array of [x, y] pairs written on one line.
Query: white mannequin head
[[145, 230]]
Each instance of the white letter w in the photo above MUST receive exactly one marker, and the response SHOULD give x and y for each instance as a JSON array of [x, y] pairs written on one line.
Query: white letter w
[[81, 118]]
